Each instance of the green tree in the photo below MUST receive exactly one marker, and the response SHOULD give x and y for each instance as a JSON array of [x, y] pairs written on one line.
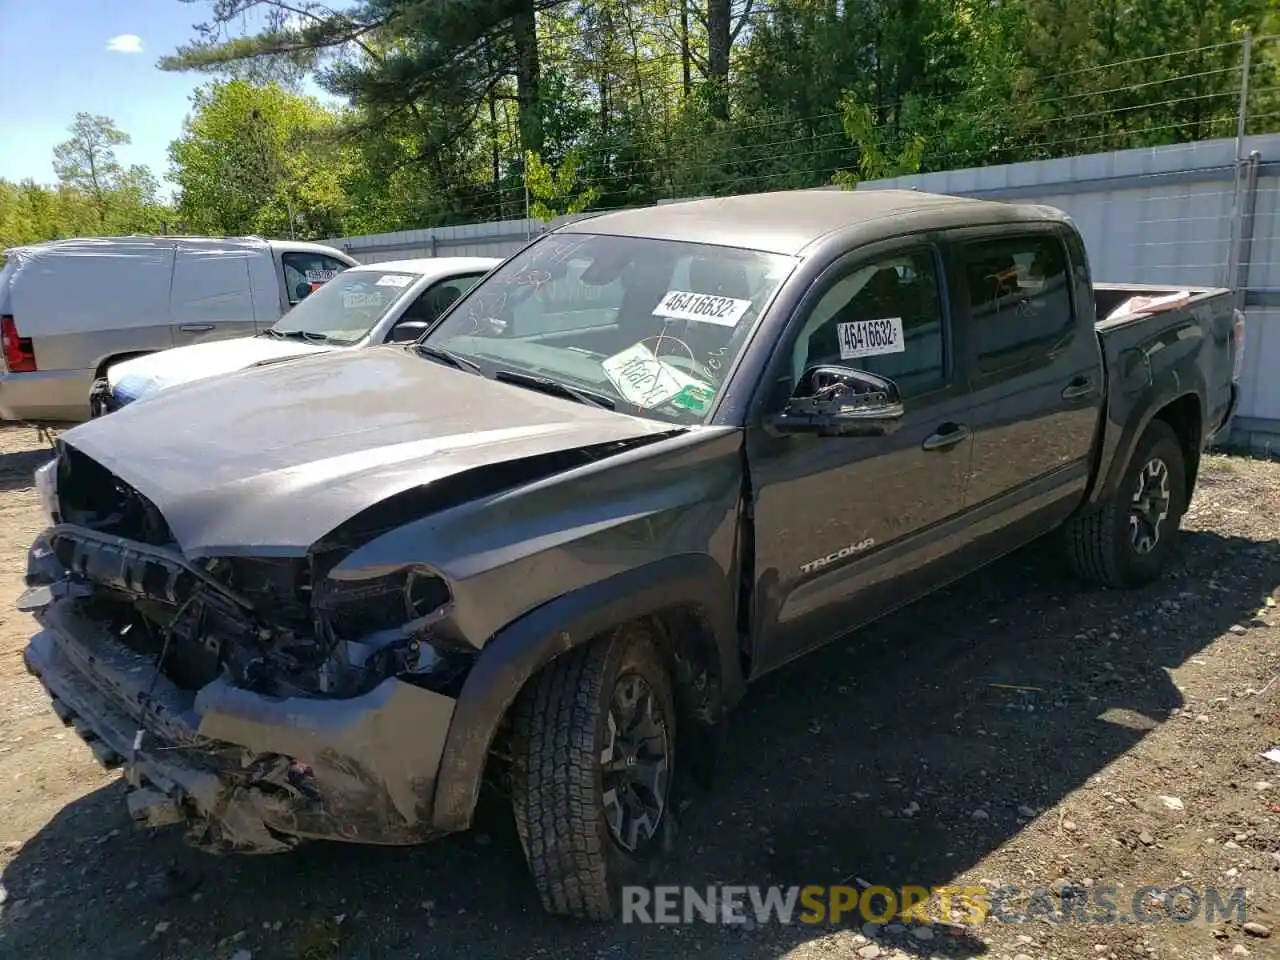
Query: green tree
[[662, 98], [389, 56], [554, 192], [876, 159], [87, 161], [259, 159]]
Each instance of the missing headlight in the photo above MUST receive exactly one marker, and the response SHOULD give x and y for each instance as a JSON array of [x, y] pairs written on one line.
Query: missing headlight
[[353, 609], [381, 627]]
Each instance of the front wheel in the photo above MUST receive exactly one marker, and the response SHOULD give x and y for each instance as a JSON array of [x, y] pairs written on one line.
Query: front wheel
[[592, 764], [1128, 539], [99, 398]]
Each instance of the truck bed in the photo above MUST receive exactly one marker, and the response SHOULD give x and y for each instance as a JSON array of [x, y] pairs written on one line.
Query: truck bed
[[1108, 296]]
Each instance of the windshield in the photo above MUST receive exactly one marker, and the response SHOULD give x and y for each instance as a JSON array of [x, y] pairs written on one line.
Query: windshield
[[651, 326], [346, 307]]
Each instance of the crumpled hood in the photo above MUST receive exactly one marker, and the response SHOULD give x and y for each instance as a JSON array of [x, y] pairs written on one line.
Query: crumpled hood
[[267, 461], [149, 374]]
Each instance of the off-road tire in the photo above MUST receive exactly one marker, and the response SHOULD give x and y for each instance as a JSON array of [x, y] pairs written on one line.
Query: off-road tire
[[1098, 544], [557, 795]]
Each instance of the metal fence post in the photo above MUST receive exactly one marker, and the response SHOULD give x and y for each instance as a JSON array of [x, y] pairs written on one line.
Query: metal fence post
[[1248, 206], [1232, 269], [1243, 115]]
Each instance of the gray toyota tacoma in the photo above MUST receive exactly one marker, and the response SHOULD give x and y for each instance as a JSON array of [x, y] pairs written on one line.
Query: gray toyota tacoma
[[655, 455]]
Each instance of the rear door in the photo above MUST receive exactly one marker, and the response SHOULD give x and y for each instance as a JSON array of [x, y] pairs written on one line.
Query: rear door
[[211, 295], [1037, 376]]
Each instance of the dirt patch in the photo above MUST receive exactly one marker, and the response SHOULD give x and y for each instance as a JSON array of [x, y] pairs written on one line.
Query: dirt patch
[[1016, 730]]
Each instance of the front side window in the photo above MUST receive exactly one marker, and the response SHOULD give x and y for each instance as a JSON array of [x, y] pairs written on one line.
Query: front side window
[[884, 317], [344, 309], [305, 273], [646, 326], [1019, 300], [437, 298]]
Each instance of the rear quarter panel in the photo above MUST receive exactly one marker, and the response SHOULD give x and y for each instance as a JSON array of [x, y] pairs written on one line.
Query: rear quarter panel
[[80, 307], [1151, 362]]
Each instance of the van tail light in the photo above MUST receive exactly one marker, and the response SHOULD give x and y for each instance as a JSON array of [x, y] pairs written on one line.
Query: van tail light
[[1237, 339], [18, 354]]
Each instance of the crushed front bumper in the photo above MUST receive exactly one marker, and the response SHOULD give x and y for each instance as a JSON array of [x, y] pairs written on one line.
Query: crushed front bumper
[[245, 772]]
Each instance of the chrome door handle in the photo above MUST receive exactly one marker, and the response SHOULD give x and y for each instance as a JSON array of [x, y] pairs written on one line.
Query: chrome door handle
[[946, 438], [1078, 388], [196, 327]]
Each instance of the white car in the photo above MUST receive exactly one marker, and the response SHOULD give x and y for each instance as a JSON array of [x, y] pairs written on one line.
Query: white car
[[361, 307], [71, 309]]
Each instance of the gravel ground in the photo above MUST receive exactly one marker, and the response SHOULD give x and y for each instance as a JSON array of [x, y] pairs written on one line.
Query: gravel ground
[[906, 757]]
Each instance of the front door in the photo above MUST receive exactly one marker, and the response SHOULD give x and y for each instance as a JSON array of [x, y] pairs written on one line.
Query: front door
[[847, 527]]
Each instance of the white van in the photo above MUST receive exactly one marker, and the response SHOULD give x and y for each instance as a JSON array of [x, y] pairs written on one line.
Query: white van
[[368, 305], [69, 309]]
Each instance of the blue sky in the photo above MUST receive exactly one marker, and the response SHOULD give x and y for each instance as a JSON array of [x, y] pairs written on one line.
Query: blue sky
[[58, 57]]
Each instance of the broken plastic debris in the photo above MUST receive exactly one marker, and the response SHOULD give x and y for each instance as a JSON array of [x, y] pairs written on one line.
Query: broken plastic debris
[[1273, 755]]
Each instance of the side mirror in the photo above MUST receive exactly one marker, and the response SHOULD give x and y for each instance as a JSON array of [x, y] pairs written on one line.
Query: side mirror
[[834, 401], [406, 331]]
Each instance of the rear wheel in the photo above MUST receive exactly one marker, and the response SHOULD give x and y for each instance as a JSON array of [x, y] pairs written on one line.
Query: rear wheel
[[593, 758], [1127, 540]]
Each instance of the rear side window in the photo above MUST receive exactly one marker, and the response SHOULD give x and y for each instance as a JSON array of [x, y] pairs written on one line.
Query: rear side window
[[6, 274], [1019, 300], [304, 272]]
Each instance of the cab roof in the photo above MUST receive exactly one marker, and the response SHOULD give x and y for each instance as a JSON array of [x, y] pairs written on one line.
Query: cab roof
[[788, 221]]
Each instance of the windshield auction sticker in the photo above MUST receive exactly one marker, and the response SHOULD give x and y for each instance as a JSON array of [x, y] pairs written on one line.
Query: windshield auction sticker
[[355, 300], [702, 308], [870, 338], [643, 379], [320, 276], [394, 280]]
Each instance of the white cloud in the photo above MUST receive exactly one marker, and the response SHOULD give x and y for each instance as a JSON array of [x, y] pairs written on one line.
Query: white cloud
[[125, 43]]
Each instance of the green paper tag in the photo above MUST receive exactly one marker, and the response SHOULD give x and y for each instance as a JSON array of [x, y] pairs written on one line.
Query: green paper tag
[[694, 397]]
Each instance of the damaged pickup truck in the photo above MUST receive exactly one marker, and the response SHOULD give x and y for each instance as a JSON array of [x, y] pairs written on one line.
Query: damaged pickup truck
[[653, 456]]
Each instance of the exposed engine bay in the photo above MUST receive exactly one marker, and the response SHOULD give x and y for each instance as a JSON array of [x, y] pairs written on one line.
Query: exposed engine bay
[[259, 622], [256, 699]]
